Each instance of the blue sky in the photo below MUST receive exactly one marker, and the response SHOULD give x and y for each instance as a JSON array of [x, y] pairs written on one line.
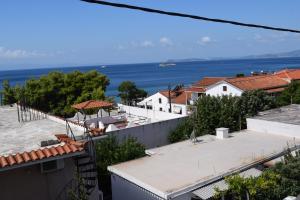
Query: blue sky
[[70, 32]]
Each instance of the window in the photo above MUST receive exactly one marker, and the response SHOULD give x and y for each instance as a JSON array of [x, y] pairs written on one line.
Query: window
[[224, 88], [160, 109], [51, 166], [159, 100]]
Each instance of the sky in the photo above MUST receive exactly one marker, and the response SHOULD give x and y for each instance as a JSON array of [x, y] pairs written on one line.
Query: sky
[[57, 33]]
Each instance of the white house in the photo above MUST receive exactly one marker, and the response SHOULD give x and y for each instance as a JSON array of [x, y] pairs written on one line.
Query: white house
[[270, 83], [160, 101]]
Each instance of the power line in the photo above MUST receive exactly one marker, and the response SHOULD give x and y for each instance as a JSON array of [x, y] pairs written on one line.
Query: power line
[[150, 10]]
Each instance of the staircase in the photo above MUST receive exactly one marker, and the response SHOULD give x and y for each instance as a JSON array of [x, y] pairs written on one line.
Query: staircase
[[86, 167], [86, 181]]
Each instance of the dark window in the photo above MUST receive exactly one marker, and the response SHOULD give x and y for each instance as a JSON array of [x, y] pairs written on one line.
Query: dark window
[[224, 88], [160, 109], [159, 100]]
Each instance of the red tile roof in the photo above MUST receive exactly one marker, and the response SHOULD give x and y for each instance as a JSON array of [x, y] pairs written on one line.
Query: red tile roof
[[258, 82], [291, 74], [179, 97], [66, 147], [92, 104], [207, 81]]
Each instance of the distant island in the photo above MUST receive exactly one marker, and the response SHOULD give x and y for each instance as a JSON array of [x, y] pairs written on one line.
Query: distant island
[[290, 54]]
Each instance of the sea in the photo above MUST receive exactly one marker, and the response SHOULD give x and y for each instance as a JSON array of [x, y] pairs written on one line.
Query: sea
[[152, 78]]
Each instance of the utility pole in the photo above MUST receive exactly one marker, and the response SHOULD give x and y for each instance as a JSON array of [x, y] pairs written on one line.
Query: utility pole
[[169, 88]]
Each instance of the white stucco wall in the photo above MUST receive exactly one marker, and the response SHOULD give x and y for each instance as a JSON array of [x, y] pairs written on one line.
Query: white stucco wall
[[217, 90], [154, 115], [270, 127], [164, 105]]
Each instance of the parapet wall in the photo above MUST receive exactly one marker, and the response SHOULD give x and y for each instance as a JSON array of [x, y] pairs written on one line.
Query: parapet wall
[[154, 115], [271, 127], [150, 135]]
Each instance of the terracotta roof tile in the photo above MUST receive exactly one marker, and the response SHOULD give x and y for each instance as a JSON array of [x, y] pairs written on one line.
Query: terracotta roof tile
[[3, 162], [33, 155], [11, 160], [60, 150], [26, 156], [19, 158], [291, 74], [73, 148], [66, 149], [258, 82], [207, 81], [92, 104], [46, 152], [39, 154], [53, 151], [179, 97]]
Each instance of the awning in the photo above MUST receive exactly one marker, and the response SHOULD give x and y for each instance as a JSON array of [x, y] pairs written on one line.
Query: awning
[[208, 191]]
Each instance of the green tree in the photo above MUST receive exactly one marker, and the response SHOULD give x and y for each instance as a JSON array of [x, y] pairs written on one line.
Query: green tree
[[129, 93], [8, 93], [109, 152], [291, 95], [56, 92]]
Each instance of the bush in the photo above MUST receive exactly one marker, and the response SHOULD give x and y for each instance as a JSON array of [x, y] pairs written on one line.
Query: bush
[[181, 132], [110, 152], [276, 183], [225, 111]]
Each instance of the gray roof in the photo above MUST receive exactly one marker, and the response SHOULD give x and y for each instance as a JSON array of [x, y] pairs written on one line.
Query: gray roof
[[188, 166], [287, 114], [16, 137]]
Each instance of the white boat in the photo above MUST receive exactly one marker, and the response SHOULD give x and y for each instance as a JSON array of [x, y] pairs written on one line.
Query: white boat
[[167, 64]]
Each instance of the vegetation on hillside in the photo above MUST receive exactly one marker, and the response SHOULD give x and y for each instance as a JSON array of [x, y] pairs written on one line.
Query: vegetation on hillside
[[276, 183], [56, 92], [130, 94], [109, 152]]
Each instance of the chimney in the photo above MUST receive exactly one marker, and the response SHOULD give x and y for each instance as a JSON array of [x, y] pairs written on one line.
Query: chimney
[[222, 133]]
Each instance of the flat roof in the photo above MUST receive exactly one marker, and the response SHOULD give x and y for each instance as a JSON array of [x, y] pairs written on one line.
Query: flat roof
[[182, 167], [16, 137], [287, 114]]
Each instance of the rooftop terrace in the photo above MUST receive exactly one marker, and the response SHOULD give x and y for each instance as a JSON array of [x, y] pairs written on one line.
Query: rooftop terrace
[[287, 114], [19, 137], [186, 166]]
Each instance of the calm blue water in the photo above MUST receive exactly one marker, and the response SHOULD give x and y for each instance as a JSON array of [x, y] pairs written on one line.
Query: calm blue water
[[152, 78]]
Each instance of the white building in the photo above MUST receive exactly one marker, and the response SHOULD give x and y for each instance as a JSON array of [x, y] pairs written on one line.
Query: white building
[[236, 86], [187, 170], [160, 101]]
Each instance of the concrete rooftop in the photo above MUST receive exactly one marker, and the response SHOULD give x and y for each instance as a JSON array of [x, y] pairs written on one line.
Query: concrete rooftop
[[287, 114], [19, 137], [185, 165]]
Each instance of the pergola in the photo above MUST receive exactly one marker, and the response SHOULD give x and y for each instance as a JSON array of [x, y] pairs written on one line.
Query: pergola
[[92, 104]]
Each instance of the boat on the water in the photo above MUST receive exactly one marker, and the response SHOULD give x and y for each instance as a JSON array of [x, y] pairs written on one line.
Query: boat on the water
[[103, 66], [167, 64]]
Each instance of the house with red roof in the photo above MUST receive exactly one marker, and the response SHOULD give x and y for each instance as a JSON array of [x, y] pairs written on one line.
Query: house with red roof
[[173, 101], [236, 86]]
